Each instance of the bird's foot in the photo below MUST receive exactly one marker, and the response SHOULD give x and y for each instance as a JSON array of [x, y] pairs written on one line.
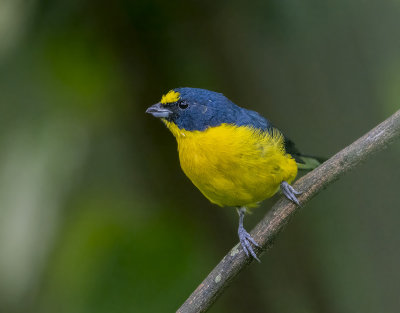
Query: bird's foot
[[245, 238], [290, 192]]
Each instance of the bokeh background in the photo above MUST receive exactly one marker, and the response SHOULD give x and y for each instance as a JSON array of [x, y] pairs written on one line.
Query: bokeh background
[[95, 213]]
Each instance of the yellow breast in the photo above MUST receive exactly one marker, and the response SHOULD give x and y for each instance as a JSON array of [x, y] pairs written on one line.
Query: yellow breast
[[234, 166]]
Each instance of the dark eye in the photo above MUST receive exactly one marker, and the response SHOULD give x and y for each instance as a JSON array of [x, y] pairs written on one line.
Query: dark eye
[[183, 105]]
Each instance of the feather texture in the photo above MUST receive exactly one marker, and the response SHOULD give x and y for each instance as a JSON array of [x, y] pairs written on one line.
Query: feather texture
[[234, 165]]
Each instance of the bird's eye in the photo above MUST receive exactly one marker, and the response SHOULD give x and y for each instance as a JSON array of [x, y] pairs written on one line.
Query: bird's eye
[[183, 105]]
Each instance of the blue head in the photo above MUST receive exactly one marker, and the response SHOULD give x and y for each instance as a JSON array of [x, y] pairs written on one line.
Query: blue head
[[197, 109]]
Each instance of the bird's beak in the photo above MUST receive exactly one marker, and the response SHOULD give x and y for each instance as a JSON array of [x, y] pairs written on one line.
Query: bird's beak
[[158, 111]]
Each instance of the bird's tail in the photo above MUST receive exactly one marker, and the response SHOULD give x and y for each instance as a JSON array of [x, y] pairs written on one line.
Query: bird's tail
[[307, 162]]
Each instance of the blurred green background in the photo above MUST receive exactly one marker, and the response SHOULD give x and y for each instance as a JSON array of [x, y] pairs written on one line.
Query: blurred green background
[[95, 213]]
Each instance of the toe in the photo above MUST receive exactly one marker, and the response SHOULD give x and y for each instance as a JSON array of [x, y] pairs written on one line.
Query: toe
[[253, 254], [294, 199], [290, 192], [244, 245], [251, 239], [294, 190]]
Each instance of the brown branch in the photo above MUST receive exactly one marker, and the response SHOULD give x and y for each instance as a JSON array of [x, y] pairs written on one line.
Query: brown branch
[[276, 219]]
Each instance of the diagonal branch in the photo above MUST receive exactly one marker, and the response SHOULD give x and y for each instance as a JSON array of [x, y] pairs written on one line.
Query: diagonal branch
[[276, 219]]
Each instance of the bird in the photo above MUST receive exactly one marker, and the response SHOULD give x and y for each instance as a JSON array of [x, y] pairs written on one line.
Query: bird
[[234, 156]]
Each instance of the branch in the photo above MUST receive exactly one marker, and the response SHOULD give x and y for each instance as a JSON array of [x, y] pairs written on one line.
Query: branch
[[276, 219]]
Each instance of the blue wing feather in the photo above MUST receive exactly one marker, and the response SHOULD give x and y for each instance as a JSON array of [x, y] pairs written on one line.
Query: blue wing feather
[[252, 118]]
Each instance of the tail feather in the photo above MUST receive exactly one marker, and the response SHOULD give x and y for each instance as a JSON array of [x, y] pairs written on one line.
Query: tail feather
[[306, 162]]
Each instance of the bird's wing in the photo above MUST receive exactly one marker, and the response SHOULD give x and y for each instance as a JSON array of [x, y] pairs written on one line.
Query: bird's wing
[[252, 118]]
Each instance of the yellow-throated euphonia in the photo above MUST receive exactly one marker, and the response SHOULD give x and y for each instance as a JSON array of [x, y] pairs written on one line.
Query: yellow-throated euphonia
[[234, 156]]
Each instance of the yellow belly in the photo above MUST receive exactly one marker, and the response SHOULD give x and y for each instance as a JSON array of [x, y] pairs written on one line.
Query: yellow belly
[[234, 166]]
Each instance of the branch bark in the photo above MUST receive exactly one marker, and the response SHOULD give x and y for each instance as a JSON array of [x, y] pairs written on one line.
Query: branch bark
[[276, 219]]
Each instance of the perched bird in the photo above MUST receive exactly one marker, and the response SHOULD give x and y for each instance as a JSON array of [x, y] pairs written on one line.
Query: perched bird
[[234, 156]]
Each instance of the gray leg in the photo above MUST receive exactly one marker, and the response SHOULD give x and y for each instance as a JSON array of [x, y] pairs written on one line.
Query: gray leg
[[244, 236], [290, 192]]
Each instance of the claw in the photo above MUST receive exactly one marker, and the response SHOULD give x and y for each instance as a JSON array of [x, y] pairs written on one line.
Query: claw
[[290, 192]]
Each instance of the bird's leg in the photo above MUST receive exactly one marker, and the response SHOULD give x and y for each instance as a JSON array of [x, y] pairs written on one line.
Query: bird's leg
[[245, 239], [290, 192]]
